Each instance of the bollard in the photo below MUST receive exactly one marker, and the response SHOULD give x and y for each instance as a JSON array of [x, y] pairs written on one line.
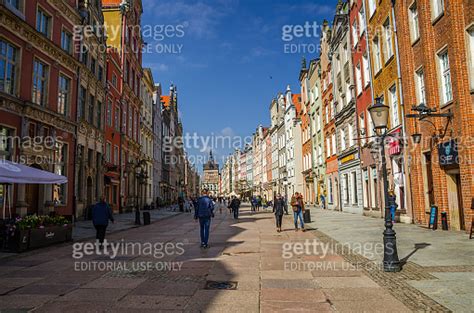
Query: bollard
[[444, 221], [146, 218]]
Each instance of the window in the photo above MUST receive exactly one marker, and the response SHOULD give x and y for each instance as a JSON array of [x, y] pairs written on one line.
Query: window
[[100, 73], [358, 80], [355, 32], [414, 22], [16, 5], [99, 115], [365, 63], [446, 89], [351, 135], [437, 8], [328, 147], [43, 22], [420, 86], [318, 121], [93, 65], [377, 56], [85, 56], [343, 139], [40, 83], [66, 41], [114, 80], [354, 197], [395, 120], [362, 130], [108, 148], [8, 67], [116, 155], [109, 113], [388, 40], [371, 7], [361, 21], [6, 144], [345, 188], [64, 90], [81, 104], [470, 50], [90, 111], [333, 140]]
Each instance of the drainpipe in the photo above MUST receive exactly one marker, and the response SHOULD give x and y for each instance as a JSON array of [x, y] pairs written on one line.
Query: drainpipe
[[406, 183]]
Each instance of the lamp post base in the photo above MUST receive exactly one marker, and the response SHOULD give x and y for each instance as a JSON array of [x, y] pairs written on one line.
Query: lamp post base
[[391, 263]]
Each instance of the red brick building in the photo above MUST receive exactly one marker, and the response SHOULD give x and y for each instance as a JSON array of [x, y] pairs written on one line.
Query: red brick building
[[112, 129], [436, 44], [123, 18], [38, 98], [364, 98]]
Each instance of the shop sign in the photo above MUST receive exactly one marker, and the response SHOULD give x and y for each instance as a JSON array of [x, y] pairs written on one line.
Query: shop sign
[[448, 153]]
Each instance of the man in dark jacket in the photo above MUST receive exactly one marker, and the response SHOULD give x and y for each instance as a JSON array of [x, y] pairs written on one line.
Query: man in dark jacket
[[204, 211], [101, 214], [235, 205]]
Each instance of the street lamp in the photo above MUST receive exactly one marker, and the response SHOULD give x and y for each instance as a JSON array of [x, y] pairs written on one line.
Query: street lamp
[[379, 114], [140, 175]]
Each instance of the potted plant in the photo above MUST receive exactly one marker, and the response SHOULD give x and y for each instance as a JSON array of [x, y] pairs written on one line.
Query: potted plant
[[50, 230]]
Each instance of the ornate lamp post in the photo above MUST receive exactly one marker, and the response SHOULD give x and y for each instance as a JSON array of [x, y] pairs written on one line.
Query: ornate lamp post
[[141, 176], [379, 114]]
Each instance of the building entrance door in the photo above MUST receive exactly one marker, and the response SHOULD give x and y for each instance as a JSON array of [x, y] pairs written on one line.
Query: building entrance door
[[456, 214]]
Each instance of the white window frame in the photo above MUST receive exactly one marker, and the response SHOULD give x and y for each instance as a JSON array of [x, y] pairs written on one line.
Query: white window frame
[[437, 8], [377, 54], [388, 40], [420, 86], [414, 22], [394, 110], [445, 77]]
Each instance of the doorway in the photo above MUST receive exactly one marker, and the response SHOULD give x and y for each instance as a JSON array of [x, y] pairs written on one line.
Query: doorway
[[456, 213], [89, 191]]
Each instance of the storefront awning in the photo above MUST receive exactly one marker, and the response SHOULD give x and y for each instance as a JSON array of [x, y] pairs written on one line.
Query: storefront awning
[[14, 173]]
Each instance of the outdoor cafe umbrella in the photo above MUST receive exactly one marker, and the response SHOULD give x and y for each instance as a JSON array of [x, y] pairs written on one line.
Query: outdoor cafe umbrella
[[14, 173]]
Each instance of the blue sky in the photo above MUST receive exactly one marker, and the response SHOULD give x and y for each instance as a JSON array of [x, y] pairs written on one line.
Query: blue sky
[[228, 60]]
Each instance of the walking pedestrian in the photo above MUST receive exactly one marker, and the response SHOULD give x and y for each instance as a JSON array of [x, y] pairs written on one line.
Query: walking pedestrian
[[285, 200], [101, 214], [278, 208], [297, 204], [204, 212], [323, 201], [235, 205]]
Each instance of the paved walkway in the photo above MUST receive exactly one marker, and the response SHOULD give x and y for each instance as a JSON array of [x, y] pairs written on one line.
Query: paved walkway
[[273, 273], [440, 264], [85, 229]]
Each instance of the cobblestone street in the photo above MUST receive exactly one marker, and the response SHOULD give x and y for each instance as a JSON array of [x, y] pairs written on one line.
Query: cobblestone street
[[271, 273]]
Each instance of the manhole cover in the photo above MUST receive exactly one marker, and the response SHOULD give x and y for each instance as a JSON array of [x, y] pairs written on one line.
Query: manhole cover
[[221, 285]]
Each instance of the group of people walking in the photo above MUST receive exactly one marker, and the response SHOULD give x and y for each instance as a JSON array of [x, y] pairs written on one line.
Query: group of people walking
[[297, 204]]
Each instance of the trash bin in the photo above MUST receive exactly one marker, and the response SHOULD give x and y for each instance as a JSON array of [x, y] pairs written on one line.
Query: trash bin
[[444, 221], [307, 216], [146, 218]]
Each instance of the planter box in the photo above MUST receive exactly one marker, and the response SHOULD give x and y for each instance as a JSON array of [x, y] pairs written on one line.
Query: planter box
[[42, 237]]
